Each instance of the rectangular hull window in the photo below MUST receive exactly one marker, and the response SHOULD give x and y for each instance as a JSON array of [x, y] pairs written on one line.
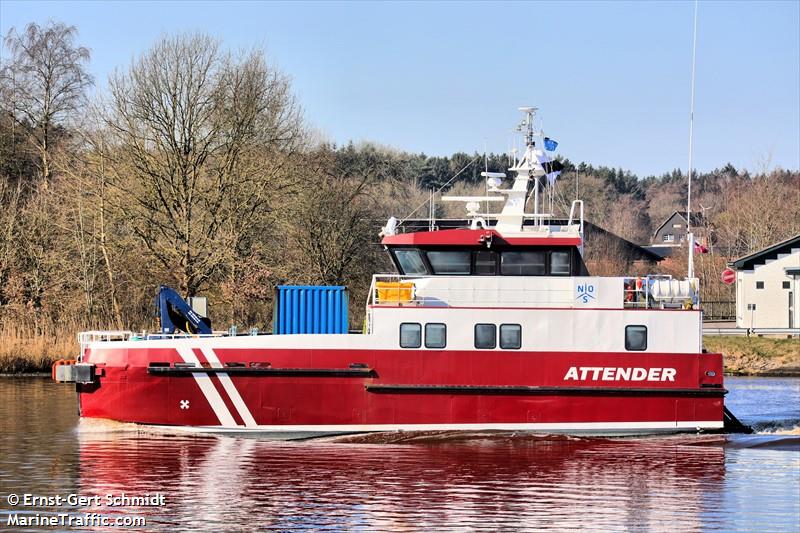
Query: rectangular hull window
[[636, 338], [435, 335], [485, 336], [510, 336], [410, 335]]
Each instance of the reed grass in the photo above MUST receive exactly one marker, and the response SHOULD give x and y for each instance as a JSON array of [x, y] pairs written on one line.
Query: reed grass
[[25, 350]]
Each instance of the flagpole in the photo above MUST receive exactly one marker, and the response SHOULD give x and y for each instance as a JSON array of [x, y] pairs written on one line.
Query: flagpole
[[689, 235]]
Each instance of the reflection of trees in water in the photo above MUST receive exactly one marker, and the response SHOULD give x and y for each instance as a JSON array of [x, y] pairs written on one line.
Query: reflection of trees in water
[[38, 450], [497, 483]]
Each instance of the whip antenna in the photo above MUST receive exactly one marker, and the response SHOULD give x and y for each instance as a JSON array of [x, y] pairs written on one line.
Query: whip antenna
[[689, 235]]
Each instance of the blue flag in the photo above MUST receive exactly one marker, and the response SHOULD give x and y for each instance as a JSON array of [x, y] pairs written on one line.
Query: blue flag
[[549, 144]]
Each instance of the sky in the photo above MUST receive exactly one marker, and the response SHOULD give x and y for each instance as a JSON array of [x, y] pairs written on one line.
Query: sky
[[612, 80]]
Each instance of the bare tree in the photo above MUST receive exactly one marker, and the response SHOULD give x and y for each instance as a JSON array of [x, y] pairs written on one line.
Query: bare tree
[[335, 223], [607, 255], [88, 218], [199, 141], [45, 82], [759, 212], [628, 219]]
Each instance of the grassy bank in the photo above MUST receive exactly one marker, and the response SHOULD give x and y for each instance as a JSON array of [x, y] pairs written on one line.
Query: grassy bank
[[755, 356], [22, 351]]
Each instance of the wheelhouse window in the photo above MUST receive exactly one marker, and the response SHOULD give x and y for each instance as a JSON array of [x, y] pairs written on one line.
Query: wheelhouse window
[[410, 335], [435, 335], [559, 263], [522, 263], [485, 336], [510, 336], [636, 338], [411, 262], [485, 263], [449, 262], [540, 261]]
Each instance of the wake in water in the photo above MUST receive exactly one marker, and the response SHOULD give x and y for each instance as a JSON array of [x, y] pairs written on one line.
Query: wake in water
[[790, 426], [98, 429], [101, 425], [772, 441], [418, 437]]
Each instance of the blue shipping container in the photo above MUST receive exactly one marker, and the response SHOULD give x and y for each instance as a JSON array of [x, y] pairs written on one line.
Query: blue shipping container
[[309, 309]]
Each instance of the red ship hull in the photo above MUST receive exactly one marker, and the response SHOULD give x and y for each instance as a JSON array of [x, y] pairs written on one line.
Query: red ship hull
[[303, 393]]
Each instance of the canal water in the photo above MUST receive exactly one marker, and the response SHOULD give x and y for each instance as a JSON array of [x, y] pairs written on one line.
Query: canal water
[[687, 483]]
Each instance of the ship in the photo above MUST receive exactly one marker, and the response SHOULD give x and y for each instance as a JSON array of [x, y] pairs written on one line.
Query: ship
[[491, 326]]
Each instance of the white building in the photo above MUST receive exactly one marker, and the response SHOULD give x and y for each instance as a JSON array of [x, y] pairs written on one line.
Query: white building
[[768, 287]]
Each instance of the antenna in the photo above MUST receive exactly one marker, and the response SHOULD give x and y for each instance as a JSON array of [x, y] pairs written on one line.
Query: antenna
[[431, 211], [689, 235], [527, 124], [486, 169]]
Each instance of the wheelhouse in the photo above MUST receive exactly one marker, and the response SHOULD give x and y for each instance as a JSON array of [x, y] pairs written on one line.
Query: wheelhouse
[[468, 252], [480, 261]]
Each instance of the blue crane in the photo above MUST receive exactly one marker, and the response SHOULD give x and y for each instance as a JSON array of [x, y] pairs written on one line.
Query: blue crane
[[177, 315]]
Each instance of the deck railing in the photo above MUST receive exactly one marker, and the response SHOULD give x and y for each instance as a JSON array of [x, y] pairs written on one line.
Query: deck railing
[[85, 338]]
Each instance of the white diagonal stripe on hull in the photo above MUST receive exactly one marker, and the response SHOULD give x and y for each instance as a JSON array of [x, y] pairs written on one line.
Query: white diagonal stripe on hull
[[230, 388], [208, 389]]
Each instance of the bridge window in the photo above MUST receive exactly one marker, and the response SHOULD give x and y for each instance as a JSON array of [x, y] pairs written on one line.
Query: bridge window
[[451, 262], [636, 338], [410, 335], [486, 263], [510, 336], [411, 262], [522, 264], [435, 335], [485, 336], [559, 263]]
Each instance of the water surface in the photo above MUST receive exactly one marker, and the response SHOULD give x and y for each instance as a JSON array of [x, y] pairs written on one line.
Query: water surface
[[685, 483]]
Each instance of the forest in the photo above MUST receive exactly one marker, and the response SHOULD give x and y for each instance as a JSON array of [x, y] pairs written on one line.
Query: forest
[[197, 168]]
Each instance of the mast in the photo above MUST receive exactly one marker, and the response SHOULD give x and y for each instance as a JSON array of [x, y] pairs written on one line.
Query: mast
[[527, 168], [530, 144]]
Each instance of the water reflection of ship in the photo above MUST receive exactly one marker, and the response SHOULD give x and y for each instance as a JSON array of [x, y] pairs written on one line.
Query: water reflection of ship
[[238, 483]]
